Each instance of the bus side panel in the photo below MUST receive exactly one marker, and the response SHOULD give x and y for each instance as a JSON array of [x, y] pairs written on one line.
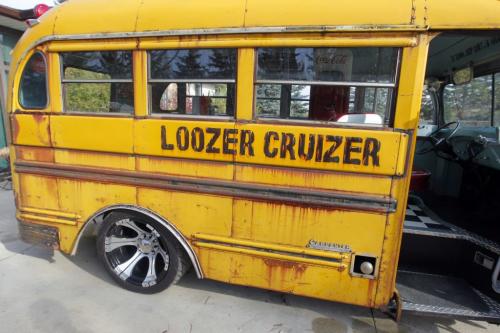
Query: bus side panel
[[190, 212], [286, 276]]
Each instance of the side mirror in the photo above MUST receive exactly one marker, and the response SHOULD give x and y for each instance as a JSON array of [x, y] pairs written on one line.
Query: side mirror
[[462, 76], [361, 118]]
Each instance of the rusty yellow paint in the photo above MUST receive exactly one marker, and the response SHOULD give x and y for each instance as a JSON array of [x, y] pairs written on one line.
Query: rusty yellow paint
[[148, 138], [185, 167], [270, 255], [48, 212], [30, 153], [314, 179], [149, 144], [91, 45], [44, 219], [269, 246], [402, 155], [245, 83], [272, 40], [30, 129], [407, 111], [38, 192], [390, 148], [94, 159], [190, 212], [296, 226], [286, 276]]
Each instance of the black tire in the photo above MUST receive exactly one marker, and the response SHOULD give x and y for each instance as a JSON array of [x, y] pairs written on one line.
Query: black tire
[[139, 253]]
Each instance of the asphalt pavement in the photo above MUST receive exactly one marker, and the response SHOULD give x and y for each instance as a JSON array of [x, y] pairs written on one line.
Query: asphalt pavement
[[42, 290]]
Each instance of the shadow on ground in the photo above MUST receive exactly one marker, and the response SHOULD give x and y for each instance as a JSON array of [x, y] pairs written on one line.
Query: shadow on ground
[[353, 318]]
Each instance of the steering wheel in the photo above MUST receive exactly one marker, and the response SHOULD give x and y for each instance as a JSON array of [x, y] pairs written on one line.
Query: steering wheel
[[442, 143]]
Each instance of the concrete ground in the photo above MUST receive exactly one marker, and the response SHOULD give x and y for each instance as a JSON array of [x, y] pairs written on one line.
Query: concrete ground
[[46, 291]]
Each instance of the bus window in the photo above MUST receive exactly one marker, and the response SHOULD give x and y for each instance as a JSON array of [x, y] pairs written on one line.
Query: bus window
[[33, 89], [469, 103], [496, 118], [325, 83], [192, 82], [98, 81], [427, 109]]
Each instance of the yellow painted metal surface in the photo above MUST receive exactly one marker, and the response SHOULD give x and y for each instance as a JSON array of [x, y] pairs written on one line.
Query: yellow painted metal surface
[[190, 212], [245, 83], [242, 150], [287, 276], [184, 167], [323, 148], [270, 40], [206, 139], [94, 159], [30, 129], [314, 179], [112, 134], [407, 111]]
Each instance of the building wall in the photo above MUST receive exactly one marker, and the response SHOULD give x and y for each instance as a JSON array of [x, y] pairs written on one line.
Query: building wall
[[8, 38]]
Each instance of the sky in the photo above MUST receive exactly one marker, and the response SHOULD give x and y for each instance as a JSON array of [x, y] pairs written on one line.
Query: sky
[[25, 4]]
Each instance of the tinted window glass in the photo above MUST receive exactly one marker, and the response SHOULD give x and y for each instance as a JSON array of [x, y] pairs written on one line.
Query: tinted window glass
[[193, 64], [328, 84], [470, 103], [98, 81], [97, 65], [328, 64], [427, 108], [33, 89], [192, 82], [496, 119]]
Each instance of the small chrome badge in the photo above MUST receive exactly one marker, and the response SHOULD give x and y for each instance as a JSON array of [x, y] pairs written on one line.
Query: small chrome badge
[[328, 246]]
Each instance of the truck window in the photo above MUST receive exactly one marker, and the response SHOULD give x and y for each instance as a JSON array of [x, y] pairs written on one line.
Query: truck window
[[325, 83], [427, 109], [496, 118], [469, 103], [192, 82], [98, 81], [33, 88]]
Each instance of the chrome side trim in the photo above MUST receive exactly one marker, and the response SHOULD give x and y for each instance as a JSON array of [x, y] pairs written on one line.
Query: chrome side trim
[[170, 227]]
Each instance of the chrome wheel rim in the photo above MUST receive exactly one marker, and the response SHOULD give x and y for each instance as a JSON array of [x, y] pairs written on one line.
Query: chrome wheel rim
[[136, 252]]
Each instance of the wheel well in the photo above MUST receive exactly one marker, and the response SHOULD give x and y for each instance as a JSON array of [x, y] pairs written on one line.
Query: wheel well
[[91, 228]]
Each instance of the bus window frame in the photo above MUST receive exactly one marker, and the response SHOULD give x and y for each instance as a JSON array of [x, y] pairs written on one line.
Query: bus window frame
[[178, 116], [47, 81], [96, 113], [333, 124]]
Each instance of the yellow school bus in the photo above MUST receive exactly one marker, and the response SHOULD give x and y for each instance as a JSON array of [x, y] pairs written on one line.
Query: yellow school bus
[[307, 147]]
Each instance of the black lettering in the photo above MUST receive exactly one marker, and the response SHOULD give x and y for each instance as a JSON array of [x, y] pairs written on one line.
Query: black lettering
[[371, 149], [246, 142], [164, 144], [350, 148], [336, 142], [197, 139], [267, 144], [182, 138], [287, 145], [319, 149], [215, 136], [310, 147], [229, 139]]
